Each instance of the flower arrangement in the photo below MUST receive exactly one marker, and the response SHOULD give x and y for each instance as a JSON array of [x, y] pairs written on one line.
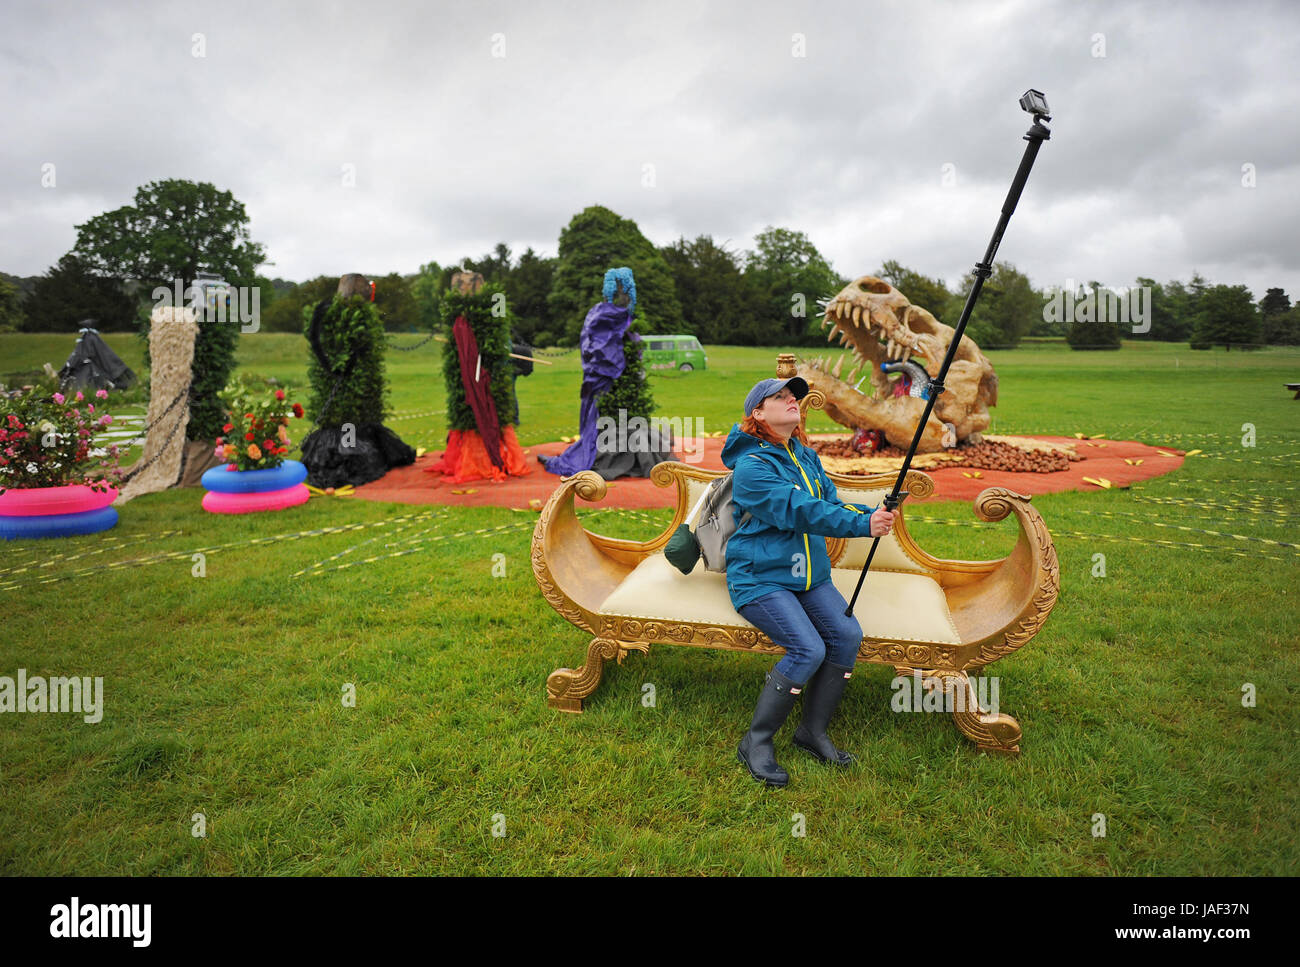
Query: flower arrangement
[[46, 441], [256, 431]]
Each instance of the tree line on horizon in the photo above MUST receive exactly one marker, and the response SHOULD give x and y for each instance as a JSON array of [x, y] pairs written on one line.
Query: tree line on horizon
[[767, 296]]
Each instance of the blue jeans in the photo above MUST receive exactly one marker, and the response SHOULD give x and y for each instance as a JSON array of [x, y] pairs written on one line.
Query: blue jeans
[[810, 625]]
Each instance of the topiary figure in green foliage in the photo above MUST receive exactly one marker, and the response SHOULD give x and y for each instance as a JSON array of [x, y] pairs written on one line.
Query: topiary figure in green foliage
[[351, 387], [481, 442], [349, 393], [492, 334]]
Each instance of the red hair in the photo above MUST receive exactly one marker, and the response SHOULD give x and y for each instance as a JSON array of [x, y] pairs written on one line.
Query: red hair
[[757, 428]]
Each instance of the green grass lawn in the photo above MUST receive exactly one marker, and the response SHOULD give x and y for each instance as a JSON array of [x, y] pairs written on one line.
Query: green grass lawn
[[223, 692]]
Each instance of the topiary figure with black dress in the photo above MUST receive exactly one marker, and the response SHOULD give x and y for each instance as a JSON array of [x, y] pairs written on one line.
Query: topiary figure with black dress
[[350, 444]]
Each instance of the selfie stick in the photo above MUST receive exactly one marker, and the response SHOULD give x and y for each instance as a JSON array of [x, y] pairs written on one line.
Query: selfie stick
[[1035, 103]]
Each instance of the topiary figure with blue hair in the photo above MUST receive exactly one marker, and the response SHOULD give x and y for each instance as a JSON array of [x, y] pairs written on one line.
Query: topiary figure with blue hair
[[614, 394]]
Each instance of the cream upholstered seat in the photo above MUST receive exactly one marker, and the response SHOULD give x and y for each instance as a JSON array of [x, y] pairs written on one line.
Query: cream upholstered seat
[[893, 606]]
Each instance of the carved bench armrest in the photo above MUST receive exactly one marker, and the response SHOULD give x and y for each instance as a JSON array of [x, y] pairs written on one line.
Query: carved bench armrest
[[666, 474], [1001, 604], [573, 570]]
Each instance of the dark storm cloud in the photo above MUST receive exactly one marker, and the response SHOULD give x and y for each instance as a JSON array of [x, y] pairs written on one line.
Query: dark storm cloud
[[691, 118]]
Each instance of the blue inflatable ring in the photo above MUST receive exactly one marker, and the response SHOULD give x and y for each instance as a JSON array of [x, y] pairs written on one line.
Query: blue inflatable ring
[[58, 525], [220, 480]]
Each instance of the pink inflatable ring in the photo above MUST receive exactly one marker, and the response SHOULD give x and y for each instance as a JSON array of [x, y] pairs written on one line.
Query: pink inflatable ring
[[46, 501], [246, 503]]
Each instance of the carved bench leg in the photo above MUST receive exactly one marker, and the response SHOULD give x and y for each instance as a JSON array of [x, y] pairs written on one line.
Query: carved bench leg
[[993, 732], [566, 687]]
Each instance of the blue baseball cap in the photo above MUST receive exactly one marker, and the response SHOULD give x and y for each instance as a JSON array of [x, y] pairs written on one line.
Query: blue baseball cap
[[770, 387]]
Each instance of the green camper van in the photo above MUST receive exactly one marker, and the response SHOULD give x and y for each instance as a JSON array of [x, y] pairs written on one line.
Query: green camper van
[[673, 352]]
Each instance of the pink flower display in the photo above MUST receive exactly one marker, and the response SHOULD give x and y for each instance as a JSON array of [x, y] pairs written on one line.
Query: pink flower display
[[57, 450]]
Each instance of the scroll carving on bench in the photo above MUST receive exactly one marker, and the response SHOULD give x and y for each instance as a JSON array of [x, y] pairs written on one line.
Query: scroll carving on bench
[[940, 619]]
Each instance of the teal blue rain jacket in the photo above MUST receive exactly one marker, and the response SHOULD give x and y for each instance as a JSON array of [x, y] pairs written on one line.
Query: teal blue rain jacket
[[792, 504]]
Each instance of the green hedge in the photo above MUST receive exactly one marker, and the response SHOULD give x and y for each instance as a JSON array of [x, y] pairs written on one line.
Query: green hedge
[[214, 361]]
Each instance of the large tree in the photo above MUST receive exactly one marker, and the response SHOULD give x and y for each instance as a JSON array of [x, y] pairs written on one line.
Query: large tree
[[1165, 323], [498, 262], [921, 290], [1289, 332], [1226, 316], [1274, 311], [1172, 311], [1187, 302], [787, 275], [597, 239], [69, 293], [1007, 310], [396, 304], [527, 287], [716, 304], [175, 230], [1088, 330]]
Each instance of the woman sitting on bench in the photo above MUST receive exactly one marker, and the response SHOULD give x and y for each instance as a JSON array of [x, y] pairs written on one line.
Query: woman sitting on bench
[[779, 576]]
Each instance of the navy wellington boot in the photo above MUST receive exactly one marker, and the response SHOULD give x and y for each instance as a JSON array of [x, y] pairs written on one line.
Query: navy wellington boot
[[756, 750], [822, 698]]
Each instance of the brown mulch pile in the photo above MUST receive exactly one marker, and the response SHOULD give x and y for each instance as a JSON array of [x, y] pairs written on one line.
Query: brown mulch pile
[[992, 455], [987, 455]]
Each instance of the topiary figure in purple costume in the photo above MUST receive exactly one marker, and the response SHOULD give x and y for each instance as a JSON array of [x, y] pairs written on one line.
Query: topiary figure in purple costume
[[614, 388]]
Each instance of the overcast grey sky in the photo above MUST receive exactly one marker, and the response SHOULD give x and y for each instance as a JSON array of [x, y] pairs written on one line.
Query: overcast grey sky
[[455, 147]]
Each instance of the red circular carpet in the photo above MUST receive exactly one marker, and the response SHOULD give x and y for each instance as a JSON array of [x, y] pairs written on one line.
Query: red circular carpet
[[1103, 460]]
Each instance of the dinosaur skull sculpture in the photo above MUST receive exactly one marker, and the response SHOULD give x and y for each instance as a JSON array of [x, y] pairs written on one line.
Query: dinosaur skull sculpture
[[879, 326]]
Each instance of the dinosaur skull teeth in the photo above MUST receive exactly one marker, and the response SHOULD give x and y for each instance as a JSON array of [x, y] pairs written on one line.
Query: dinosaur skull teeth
[[895, 347]]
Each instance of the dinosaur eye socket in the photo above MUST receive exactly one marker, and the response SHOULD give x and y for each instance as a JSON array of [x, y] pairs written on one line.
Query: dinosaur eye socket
[[874, 285]]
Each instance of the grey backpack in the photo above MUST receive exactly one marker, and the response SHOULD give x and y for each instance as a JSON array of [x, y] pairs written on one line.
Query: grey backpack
[[715, 523]]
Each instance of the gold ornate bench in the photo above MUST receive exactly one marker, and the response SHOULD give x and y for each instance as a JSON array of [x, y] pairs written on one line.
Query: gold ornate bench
[[943, 619]]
